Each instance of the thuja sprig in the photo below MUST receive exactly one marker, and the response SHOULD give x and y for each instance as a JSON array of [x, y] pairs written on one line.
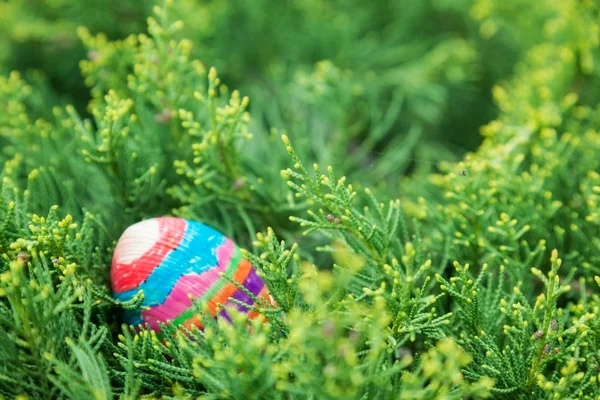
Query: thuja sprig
[[440, 375], [12, 210], [73, 248], [233, 359], [225, 125], [547, 305], [508, 232], [371, 234], [134, 351], [572, 346], [37, 312], [278, 268], [346, 340], [215, 171], [532, 333], [384, 268], [134, 178], [413, 308], [506, 366], [237, 344], [88, 378], [465, 291]]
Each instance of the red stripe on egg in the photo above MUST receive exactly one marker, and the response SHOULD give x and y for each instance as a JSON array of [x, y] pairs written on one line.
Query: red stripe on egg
[[141, 248]]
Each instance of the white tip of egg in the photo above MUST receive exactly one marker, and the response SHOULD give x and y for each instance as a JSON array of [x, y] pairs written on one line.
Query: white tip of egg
[[136, 241]]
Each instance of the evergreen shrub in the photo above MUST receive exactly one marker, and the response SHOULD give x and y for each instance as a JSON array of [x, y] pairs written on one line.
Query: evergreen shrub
[[411, 255]]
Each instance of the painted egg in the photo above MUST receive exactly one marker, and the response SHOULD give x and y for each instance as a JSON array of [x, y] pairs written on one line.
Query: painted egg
[[175, 260]]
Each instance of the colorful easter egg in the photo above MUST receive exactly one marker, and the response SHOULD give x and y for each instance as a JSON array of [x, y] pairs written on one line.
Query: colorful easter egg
[[175, 260]]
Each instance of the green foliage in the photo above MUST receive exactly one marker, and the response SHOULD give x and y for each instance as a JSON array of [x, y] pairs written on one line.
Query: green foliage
[[469, 279], [385, 57]]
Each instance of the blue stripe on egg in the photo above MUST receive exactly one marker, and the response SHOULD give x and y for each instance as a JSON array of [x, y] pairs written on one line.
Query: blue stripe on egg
[[203, 240]]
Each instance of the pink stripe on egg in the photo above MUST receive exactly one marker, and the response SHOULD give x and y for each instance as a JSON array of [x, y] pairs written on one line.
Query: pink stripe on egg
[[193, 284], [225, 252]]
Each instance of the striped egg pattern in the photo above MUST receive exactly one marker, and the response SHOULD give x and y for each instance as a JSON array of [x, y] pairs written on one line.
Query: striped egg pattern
[[174, 260]]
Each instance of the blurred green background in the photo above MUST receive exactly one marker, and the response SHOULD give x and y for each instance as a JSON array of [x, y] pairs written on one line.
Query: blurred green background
[[405, 82]]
